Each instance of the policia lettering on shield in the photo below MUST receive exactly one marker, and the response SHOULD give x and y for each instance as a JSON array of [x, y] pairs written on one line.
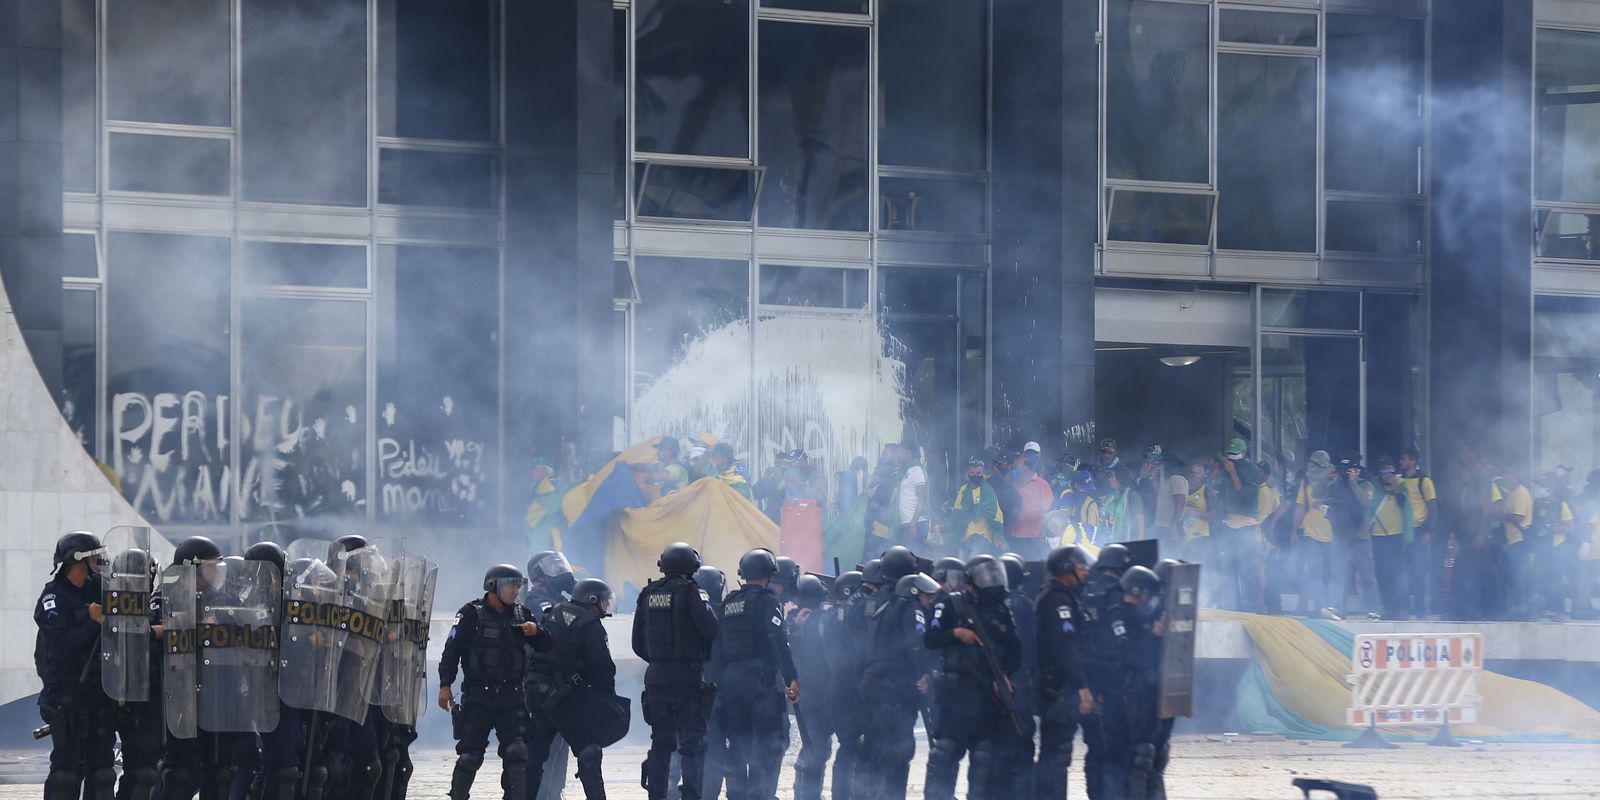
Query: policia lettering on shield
[[487, 639]]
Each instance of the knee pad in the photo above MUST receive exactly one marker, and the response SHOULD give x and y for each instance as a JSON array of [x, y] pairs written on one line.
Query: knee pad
[[62, 784], [516, 751], [175, 782], [316, 782], [1144, 757], [469, 760], [103, 783], [589, 756], [143, 780]]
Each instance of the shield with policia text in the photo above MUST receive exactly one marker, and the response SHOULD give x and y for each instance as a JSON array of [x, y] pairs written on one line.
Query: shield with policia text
[[1181, 595], [310, 638], [368, 587], [239, 607], [404, 670], [180, 680], [126, 643]]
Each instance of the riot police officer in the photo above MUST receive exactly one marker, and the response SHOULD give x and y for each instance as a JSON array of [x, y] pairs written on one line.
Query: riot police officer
[[72, 702], [1101, 593], [673, 628], [1016, 746], [1063, 693], [550, 581], [840, 651], [757, 674], [787, 579], [577, 676], [850, 656], [715, 584], [814, 714], [1130, 709], [130, 656], [975, 693], [280, 747], [893, 679], [487, 639]]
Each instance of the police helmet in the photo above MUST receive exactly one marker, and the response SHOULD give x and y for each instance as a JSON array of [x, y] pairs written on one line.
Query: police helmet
[[554, 570], [986, 574], [872, 573], [678, 559], [951, 572], [758, 564], [77, 546], [502, 574], [1016, 570], [266, 551], [847, 586], [1065, 560], [713, 581], [1113, 557], [898, 562], [915, 585], [1164, 568], [351, 542], [133, 563], [196, 549], [788, 574], [597, 593], [1140, 583], [809, 592]]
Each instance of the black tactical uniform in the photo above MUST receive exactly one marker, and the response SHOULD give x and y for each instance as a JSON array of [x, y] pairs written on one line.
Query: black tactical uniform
[[970, 711], [845, 632], [814, 717], [1016, 747], [138, 725], [895, 664], [550, 582], [1060, 679], [488, 643], [1132, 713], [576, 671], [755, 665], [673, 628], [1102, 593], [72, 702]]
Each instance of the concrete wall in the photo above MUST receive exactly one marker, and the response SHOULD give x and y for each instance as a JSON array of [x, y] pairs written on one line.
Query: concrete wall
[[48, 486]]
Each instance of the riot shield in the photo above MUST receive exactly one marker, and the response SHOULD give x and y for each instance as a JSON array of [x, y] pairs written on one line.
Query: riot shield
[[369, 585], [239, 607], [125, 643], [180, 685], [1144, 552], [1182, 594], [392, 651], [310, 637], [406, 658]]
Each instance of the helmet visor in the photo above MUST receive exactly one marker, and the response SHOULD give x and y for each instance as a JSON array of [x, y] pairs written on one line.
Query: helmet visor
[[987, 575], [955, 579], [555, 564]]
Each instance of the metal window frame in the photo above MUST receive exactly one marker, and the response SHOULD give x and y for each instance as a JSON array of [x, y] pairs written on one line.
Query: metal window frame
[[1113, 186]]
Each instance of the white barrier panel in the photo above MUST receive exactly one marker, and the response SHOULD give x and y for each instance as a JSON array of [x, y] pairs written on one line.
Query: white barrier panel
[[1414, 680]]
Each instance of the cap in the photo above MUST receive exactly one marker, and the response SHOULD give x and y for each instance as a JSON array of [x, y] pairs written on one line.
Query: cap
[[667, 443], [1236, 446], [1108, 445], [542, 461], [1030, 447], [1319, 459], [1154, 453], [974, 462]]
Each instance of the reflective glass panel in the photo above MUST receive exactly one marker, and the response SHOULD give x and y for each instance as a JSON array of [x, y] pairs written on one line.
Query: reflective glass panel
[[437, 70], [168, 61], [820, 287], [914, 204], [80, 347], [691, 64], [339, 266], [1327, 310], [1394, 339], [1393, 229], [1165, 217], [78, 258], [1567, 100], [933, 43], [409, 177], [1311, 396], [169, 164], [1566, 393], [1565, 234], [80, 120], [1157, 91], [813, 123], [1374, 68], [1266, 153], [619, 113], [707, 193], [1268, 27], [691, 347]]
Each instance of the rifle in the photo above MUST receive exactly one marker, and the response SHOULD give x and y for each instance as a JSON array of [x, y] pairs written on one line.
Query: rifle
[[1002, 684]]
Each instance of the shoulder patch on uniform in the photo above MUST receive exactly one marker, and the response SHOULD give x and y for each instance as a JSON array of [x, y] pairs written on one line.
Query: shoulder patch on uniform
[[1064, 612], [704, 596], [922, 621], [568, 616], [1118, 628], [48, 602], [777, 620]]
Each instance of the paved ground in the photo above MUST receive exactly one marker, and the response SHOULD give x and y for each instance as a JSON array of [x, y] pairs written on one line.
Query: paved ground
[[1202, 768]]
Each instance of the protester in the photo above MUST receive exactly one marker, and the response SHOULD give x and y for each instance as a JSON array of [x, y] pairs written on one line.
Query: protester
[[975, 520], [1026, 537]]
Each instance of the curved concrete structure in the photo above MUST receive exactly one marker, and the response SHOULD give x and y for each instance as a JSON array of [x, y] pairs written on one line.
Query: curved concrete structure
[[48, 485]]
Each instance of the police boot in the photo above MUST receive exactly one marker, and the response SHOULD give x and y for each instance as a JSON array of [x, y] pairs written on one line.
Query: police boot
[[944, 764], [137, 784], [281, 784], [461, 779], [594, 784], [1140, 764], [514, 769], [102, 784], [391, 761], [695, 769], [62, 784]]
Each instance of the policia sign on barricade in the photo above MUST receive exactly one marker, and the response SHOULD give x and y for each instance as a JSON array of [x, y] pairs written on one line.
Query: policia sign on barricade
[[1420, 679]]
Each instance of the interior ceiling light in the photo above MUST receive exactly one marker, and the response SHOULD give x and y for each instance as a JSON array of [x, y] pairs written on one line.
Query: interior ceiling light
[[1179, 361]]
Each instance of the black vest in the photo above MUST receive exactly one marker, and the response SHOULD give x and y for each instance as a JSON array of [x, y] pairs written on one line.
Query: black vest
[[566, 623], [669, 633], [746, 616], [496, 654]]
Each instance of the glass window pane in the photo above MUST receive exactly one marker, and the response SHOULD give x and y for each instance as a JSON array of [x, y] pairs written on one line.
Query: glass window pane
[[1268, 27], [441, 179], [1165, 217], [917, 291], [1317, 383], [167, 363], [622, 287], [708, 193], [1394, 363], [1567, 98], [1327, 310], [691, 64], [303, 420], [814, 392], [339, 266], [78, 257], [1393, 229], [1266, 153], [80, 120], [691, 348], [927, 43], [1568, 235], [813, 123], [1158, 59], [1374, 104], [437, 387], [836, 6], [304, 125], [169, 61], [169, 164], [437, 71], [818, 287], [949, 206], [1566, 395], [80, 347]]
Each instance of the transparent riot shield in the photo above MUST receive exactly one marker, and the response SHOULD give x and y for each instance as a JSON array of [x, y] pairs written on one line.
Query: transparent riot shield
[[1182, 597], [392, 652], [369, 585], [180, 685], [126, 646], [408, 674], [310, 637], [239, 607]]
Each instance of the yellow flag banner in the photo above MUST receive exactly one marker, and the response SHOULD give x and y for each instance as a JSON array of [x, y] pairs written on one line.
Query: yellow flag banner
[[577, 498], [708, 514]]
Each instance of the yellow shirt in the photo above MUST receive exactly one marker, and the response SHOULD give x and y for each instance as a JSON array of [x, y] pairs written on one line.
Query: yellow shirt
[[1267, 501], [1519, 501], [1315, 524], [1195, 524], [1389, 521], [1421, 491]]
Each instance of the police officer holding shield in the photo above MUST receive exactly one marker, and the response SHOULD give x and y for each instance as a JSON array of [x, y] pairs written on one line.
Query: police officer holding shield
[[673, 629], [69, 614], [487, 639], [550, 581], [1101, 594], [576, 686], [131, 656]]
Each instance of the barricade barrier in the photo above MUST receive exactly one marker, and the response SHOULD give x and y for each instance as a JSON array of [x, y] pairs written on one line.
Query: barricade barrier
[[1423, 679]]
